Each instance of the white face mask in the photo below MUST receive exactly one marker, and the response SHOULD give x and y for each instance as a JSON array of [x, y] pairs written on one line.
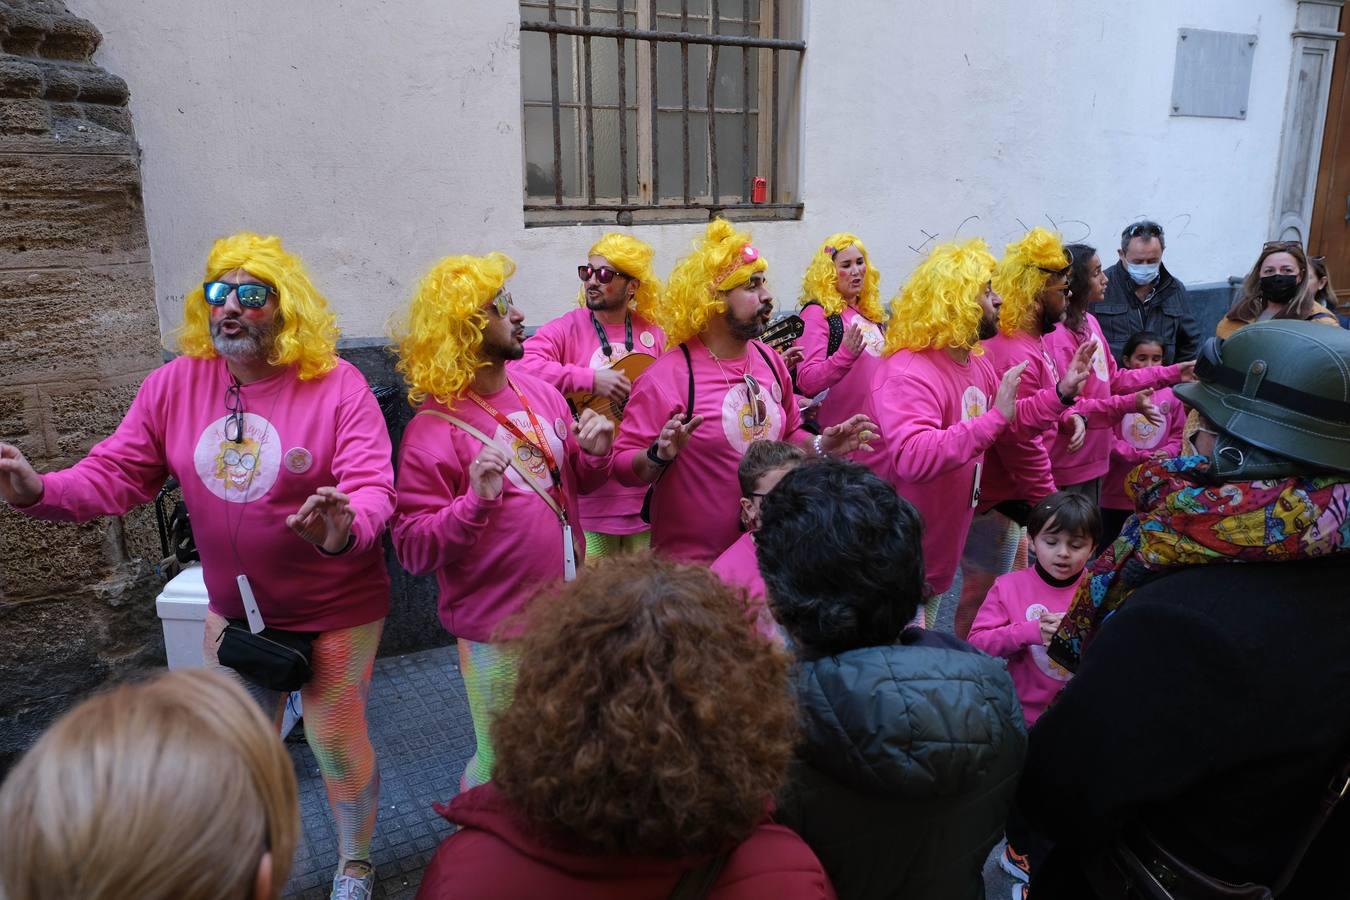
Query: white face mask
[[1142, 273]]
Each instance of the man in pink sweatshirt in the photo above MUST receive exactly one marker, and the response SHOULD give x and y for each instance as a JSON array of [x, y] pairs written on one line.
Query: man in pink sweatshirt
[[284, 461], [576, 352], [489, 472], [932, 398], [716, 305]]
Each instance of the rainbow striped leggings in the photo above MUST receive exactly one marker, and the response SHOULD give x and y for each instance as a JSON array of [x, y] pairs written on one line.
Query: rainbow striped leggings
[[335, 724]]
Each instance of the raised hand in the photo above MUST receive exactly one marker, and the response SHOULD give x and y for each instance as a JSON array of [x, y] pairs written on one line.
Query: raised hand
[[1005, 399], [853, 338], [612, 384], [853, 433], [1144, 405], [20, 484], [792, 356], [1079, 433], [1079, 369], [594, 432], [674, 435], [324, 519], [486, 471]]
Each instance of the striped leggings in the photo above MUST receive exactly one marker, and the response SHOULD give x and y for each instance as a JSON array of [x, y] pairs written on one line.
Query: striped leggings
[[335, 724]]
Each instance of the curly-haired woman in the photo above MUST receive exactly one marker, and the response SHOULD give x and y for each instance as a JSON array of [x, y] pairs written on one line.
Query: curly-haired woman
[[649, 731]]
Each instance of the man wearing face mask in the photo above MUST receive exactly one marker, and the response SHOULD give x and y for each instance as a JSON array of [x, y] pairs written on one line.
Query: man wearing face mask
[[1141, 295]]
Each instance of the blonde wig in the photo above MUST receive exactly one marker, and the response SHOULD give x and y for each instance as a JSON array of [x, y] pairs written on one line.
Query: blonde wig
[[939, 307], [166, 789], [440, 333], [307, 334], [821, 282], [633, 258], [1022, 274], [722, 260]]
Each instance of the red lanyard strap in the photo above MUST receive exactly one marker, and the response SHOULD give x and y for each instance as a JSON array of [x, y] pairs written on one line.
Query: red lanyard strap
[[555, 474]]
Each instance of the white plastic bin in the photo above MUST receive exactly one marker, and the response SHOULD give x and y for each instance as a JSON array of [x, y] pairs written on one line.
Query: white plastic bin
[[182, 612]]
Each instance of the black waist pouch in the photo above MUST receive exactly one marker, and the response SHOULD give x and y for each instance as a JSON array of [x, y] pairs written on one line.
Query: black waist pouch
[[275, 659]]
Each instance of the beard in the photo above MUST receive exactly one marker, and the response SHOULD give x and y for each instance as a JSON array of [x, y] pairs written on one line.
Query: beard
[[988, 326], [252, 343], [1048, 321], [512, 349], [599, 303], [746, 329]]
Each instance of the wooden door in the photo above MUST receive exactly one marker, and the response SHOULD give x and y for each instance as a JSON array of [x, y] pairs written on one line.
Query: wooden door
[[1330, 227]]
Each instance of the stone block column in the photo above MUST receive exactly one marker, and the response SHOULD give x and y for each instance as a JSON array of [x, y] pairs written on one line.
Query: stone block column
[[78, 332]]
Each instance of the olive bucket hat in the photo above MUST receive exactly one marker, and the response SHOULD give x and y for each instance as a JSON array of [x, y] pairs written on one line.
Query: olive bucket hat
[[1282, 387]]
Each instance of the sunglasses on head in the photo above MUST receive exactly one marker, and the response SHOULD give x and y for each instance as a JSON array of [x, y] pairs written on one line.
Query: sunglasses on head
[[501, 304], [251, 296], [603, 274], [1142, 229], [1282, 246]]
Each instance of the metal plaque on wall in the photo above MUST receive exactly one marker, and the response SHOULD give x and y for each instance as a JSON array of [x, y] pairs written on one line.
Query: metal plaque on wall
[[1213, 75]]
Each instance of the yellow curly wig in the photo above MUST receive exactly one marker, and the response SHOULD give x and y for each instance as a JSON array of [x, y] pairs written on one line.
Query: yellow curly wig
[[632, 257], [939, 307], [717, 265], [307, 334], [1020, 275], [821, 283], [440, 333]]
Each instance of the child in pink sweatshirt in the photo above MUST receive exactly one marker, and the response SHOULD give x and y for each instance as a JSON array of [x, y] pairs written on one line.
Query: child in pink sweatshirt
[[1020, 615]]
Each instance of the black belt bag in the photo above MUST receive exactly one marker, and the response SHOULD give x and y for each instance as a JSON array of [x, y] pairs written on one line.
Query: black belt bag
[[275, 659]]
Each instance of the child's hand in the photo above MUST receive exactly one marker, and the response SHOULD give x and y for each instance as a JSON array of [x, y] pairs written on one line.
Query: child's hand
[[1049, 625]]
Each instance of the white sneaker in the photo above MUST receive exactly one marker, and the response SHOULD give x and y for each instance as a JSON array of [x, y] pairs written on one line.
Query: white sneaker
[[354, 887]]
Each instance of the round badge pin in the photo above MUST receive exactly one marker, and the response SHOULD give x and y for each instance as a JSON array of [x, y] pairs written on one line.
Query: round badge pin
[[647, 340], [560, 429], [298, 460], [777, 392]]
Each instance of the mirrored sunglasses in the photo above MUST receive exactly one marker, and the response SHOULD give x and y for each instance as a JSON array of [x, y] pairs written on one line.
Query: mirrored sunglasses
[[603, 274], [501, 304], [759, 409], [251, 296]]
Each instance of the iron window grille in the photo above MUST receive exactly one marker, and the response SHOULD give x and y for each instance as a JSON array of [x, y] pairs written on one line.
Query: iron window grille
[[609, 67]]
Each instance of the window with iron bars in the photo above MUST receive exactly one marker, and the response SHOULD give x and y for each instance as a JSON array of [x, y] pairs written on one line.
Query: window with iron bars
[[660, 110]]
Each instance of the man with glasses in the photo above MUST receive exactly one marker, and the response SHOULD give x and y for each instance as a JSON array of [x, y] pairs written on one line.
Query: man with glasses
[[489, 472], [578, 352], [716, 306], [284, 461], [1141, 295]]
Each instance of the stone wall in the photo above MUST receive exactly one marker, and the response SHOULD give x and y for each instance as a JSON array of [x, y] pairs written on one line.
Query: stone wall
[[78, 332]]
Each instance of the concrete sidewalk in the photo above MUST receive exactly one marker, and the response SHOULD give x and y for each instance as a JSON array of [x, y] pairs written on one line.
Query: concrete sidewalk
[[423, 736]]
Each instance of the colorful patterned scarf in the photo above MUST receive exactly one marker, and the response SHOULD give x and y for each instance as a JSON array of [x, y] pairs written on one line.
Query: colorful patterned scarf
[[1186, 519]]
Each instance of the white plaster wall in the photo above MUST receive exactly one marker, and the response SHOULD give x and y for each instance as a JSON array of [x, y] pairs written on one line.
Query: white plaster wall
[[376, 137]]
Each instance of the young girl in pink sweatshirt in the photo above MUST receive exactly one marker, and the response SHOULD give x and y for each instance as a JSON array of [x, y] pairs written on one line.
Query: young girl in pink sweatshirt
[[1021, 613]]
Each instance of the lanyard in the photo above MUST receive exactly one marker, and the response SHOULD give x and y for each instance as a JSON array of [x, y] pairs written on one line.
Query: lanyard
[[542, 446], [604, 338]]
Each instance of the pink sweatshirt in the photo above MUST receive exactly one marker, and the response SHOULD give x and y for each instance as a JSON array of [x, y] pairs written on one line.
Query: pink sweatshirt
[[1008, 625], [1022, 471], [565, 353], [298, 436], [693, 509], [847, 375], [491, 557], [1136, 440], [738, 567], [938, 418], [1107, 395]]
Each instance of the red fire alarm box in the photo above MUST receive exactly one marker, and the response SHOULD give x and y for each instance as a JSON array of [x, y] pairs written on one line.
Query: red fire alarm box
[[759, 190]]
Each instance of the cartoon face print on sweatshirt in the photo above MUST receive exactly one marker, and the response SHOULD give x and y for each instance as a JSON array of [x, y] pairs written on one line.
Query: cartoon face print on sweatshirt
[[1139, 432], [873, 340], [600, 361], [752, 414], [1099, 364], [527, 453], [243, 470], [1043, 662], [974, 403]]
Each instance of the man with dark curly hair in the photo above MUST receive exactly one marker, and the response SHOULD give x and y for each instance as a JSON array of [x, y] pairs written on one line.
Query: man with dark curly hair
[[649, 731], [912, 740]]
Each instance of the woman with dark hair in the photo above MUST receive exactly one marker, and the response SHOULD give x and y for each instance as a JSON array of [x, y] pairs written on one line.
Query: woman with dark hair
[[912, 739], [1210, 706], [1326, 294], [1081, 452], [1277, 287], [649, 731]]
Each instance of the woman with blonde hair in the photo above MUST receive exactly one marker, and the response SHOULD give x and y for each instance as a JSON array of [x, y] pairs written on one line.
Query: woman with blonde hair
[[843, 339], [1279, 286], [174, 788], [284, 461], [650, 730]]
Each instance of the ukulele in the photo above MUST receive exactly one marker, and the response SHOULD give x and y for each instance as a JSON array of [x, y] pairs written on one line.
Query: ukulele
[[781, 333], [632, 365]]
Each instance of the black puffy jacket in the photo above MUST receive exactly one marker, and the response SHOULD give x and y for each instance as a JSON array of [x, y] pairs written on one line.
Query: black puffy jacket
[[1121, 314], [907, 768]]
